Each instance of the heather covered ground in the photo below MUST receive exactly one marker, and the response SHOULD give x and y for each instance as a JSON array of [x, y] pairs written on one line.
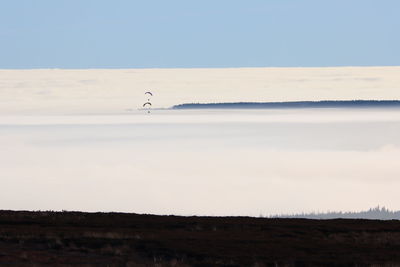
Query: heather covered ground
[[118, 239]]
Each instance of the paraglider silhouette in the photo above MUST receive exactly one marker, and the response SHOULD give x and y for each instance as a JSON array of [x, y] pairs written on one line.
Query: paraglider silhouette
[[150, 94], [148, 103]]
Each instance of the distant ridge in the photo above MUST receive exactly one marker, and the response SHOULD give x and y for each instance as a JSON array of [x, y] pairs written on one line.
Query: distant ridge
[[295, 104]]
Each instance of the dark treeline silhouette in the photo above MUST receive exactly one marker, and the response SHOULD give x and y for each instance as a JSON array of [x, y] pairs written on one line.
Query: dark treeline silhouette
[[377, 213], [295, 104]]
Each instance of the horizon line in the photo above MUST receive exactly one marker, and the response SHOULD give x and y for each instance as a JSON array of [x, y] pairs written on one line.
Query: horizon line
[[243, 67]]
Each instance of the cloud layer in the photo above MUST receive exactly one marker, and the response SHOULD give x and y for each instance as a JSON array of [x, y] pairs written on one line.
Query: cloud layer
[[118, 91], [184, 166]]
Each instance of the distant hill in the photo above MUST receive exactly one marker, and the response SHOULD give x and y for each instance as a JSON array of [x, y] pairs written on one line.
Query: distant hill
[[296, 104], [378, 213]]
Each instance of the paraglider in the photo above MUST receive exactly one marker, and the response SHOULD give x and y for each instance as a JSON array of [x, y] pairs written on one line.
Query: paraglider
[[148, 93], [148, 103]]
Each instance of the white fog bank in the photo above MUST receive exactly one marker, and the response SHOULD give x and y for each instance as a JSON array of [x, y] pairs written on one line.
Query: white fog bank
[[122, 90], [219, 163], [75, 140]]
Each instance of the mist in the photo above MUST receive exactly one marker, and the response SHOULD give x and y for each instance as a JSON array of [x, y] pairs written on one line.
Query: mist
[[77, 140], [116, 91], [213, 162]]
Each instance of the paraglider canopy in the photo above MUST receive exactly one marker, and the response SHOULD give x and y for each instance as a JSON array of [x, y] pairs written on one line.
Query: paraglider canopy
[[147, 103], [148, 93]]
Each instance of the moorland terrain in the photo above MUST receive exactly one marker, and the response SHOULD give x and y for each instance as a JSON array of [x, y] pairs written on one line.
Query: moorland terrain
[[120, 239]]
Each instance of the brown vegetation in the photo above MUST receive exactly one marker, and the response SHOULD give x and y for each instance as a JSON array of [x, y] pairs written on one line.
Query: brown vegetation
[[116, 239]]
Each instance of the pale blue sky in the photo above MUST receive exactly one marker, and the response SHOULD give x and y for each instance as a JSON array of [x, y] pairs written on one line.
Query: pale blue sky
[[206, 33]]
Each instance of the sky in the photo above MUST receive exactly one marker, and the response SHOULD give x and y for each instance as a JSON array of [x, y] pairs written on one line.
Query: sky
[[198, 34]]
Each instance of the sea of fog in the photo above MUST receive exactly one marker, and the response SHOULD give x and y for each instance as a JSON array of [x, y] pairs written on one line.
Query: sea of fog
[[202, 162], [77, 140]]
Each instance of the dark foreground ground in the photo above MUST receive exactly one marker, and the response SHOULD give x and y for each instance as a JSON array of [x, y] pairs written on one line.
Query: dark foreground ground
[[115, 239]]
